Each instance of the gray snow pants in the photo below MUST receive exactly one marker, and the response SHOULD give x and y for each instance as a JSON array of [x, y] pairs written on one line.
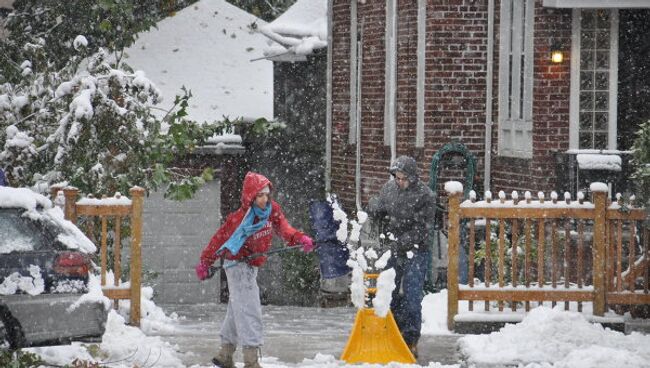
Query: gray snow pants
[[243, 323]]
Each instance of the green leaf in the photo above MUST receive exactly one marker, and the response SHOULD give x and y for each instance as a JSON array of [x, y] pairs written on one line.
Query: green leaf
[[159, 175], [208, 174], [105, 25]]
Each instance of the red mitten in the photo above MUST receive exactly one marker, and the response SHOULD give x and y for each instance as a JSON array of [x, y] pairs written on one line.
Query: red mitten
[[307, 244], [202, 270]]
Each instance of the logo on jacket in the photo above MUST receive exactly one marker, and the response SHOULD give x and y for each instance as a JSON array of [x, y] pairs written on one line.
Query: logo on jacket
[[265, 231]]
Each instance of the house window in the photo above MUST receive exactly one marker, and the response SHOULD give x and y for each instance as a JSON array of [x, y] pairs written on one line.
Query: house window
[[594, 79], [516, 78]]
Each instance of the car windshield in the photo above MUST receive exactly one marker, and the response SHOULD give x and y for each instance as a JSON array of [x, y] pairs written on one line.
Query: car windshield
[[18, 233]]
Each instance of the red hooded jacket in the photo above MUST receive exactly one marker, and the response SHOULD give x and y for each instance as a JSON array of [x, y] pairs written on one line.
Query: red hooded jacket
[[260, 241]]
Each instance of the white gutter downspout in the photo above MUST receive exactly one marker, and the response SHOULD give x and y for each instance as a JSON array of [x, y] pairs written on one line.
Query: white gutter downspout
[[353, 72], [328, 102], [421, 60], [390, 86], [358, 123], [488, 97]]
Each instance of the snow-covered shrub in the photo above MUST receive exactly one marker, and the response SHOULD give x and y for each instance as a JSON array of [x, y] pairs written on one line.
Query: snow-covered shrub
[[110, 24], [91, 124]]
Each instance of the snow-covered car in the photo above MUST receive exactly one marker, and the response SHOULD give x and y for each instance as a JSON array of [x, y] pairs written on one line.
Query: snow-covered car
[[44, 274]]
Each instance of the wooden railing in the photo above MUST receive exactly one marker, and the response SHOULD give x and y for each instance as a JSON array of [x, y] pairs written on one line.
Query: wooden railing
[[585, 251], [113, 209]]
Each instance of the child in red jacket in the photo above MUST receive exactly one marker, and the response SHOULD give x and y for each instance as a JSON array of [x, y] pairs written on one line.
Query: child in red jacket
[[247, 231]]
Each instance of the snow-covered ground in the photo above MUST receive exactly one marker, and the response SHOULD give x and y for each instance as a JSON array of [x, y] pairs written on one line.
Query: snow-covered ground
[[554, 338], [545, 338]]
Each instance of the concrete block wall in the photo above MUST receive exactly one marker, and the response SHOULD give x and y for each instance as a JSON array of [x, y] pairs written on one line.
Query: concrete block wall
[[174, 233]]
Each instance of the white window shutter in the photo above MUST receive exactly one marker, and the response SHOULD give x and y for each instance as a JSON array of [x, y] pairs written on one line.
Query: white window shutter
[[516, 62]]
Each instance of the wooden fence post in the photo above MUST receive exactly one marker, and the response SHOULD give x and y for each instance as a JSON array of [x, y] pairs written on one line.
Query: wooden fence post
[[137, 199], [53, 191], [599, 196], [71, 194], [452, 251]]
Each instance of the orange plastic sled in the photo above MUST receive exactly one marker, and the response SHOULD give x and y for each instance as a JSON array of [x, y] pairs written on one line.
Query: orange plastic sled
[[376, 340]]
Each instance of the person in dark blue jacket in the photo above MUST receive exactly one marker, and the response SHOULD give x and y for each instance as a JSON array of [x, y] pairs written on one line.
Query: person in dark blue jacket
[[406, 206]]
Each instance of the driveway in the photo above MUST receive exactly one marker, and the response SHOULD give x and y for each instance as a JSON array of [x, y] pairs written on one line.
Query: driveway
[[291, 334]]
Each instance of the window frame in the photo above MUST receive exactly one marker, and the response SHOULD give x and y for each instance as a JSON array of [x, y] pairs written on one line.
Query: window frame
[[574, 104]]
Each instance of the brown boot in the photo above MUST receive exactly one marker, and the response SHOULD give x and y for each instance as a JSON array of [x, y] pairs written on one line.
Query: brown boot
[[413, 347], [414, 350], [224, 356], [251, 355]]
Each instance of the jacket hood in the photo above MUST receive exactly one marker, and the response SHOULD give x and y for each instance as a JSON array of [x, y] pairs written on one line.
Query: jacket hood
[[253, 183], [407, 165]]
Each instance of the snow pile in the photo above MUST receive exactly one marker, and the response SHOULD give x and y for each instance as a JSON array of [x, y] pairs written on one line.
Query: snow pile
[[300, 30], [62, 355], [122, 346], [93, 295], [39, 208], [592, 161], [33, 285], [22, 198], [557, 339], [434, 313], [154, 320], [121, 341]]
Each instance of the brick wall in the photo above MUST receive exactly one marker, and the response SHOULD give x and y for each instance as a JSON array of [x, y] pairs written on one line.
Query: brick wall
[[456, 69], [551, 91], [455, 87], [372, 22], [342, 172]]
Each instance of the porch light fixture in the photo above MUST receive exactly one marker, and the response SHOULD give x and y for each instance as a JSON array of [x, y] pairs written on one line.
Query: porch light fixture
[[556, 54]]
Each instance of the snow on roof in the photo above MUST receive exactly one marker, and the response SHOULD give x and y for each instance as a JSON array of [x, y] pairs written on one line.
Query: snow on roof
[[300, 30], [207, 48]]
